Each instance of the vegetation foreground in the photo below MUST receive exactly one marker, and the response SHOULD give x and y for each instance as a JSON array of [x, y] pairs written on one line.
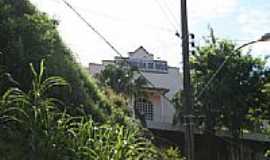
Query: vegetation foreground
[[56, 111], [35, 126]]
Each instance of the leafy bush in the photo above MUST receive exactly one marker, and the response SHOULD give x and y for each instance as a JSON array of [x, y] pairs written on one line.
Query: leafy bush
[[27, 36], [34, 123], [122, 79], [36, 126], [172, 154]]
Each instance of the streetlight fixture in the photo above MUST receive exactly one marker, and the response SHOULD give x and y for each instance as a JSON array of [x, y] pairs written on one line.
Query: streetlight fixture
[[264, 38]]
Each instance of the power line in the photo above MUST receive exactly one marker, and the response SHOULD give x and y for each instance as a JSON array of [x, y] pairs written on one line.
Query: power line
[[117, 18], [115, 50], [170, 11], [111, 46], [166, 15], [122, 20], [227, 58], [90, 26]]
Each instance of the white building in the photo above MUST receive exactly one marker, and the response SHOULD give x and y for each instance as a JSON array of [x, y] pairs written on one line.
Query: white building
[[166, 81]]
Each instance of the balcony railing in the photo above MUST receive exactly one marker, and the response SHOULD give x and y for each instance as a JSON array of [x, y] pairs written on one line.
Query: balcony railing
[[148, 65]]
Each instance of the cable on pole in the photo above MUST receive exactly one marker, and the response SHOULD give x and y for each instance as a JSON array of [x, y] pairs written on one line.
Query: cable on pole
[[148, 81]]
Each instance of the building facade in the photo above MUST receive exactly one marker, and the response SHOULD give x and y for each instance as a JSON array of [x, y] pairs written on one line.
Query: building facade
[[158, 112], [165, 82]]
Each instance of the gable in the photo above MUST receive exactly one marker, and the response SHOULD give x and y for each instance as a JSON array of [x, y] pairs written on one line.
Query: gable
[[141, 53]]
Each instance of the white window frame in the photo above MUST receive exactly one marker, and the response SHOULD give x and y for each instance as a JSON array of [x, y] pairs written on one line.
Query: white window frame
[[145, 108]]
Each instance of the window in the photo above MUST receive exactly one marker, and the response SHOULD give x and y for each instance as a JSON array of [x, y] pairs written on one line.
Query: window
[[144, 108], [150, 65], [161, 66], [140, 64]]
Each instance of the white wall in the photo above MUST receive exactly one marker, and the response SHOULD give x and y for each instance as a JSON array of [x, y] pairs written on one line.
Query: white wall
[[163, 109], [95, 68], [172, 80]]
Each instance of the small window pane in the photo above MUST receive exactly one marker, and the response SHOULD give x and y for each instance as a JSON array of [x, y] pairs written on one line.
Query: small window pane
[[144, 107]]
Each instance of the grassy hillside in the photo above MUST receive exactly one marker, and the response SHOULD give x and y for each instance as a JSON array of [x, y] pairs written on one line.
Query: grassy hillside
[[53, 109], [27, 35]]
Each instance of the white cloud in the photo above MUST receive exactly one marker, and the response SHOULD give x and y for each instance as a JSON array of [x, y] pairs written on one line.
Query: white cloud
[[200, 10], [262, 49], [254, 22], [128, 24]]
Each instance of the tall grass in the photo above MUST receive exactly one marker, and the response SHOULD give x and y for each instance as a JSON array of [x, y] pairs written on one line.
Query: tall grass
[[34, 126]]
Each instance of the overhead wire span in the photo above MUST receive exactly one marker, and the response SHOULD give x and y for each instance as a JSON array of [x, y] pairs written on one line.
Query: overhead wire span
[[92, 27], [118, 52], [170, 11], [118, 19], [167, 15], [112, 47]]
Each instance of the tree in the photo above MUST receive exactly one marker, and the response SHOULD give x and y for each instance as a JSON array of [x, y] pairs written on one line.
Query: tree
[[47, 128], [33, 126], [27, 36], [123, 80], [234, 96]]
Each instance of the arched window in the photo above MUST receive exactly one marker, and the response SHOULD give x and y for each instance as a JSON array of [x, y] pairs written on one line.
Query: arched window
[[144, 107]]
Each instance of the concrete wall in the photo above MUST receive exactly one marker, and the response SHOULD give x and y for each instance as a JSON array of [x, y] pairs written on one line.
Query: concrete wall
[[163, 110], [171, 80], [163, 114], [155, 99], [95, 68]]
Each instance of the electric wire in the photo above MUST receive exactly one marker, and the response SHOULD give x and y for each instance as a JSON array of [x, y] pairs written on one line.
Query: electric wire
[[170, 11], [119, 20], [219, 69], [112, 47], [118, 52], [166, 15], [93, 28], [211, 132]]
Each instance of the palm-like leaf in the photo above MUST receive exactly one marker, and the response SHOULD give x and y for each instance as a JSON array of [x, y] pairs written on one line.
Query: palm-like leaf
[[55, 135], [15, 95], [40, 87], [51, 82]]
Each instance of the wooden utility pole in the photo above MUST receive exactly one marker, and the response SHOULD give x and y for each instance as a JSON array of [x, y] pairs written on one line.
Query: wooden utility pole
[[188, 117]]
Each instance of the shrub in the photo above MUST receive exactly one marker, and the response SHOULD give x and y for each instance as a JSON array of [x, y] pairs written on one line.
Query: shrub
[[35, 126]]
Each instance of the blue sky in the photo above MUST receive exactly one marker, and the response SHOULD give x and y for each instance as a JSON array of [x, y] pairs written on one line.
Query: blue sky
[[249, 19], [129, 24]]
